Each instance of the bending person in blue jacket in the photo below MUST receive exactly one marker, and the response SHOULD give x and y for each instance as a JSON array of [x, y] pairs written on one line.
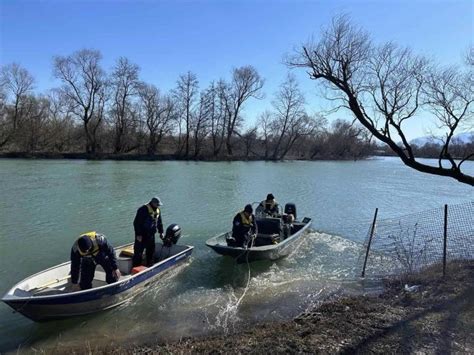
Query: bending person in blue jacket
[[89, 250]]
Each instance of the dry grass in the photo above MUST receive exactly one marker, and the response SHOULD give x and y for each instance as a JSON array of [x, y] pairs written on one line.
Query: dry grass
[[437, 318]]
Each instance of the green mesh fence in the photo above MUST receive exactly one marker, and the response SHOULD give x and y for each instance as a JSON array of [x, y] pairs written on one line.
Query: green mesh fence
[[411, 242]]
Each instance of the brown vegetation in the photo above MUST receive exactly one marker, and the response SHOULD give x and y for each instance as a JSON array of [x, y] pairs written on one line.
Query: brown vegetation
[[116, 115], [437, 317]]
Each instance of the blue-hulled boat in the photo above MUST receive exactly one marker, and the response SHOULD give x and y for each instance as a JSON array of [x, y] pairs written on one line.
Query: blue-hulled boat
[[47, 295]]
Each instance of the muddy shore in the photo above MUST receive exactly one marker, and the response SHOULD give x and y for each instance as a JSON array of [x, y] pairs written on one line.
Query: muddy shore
[[433, 315]]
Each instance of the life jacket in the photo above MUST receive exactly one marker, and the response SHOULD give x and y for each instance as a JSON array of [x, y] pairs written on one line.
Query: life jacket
[[95, 244], [247, 222], [153, 214], [268, 205]]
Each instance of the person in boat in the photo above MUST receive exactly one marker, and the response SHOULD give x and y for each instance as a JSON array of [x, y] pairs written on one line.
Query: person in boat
[[146, 223], [87, 251], [269, 206], [288, 220], [244, 227]]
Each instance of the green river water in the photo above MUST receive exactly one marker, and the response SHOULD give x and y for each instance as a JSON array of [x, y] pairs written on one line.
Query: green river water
[[46, 204]]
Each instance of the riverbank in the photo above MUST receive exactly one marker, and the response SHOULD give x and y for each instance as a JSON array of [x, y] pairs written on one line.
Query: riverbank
[[435, 316], [176, 157], [156, 157]]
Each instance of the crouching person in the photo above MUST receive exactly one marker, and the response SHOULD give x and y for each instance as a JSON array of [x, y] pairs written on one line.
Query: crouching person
[[243, 228], [89, 250]]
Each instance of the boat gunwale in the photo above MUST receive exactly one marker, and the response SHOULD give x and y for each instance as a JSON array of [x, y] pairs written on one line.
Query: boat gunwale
[[13, 298], [257, 248]]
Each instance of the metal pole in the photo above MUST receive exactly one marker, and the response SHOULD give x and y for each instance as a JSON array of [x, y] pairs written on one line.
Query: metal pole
[[445, 238], [372, 230]]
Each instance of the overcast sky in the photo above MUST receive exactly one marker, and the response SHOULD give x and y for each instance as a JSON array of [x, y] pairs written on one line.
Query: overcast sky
[[167, 38]]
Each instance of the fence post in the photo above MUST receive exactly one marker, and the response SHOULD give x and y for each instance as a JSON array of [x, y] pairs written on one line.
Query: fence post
[[372, 229], [445, 242]]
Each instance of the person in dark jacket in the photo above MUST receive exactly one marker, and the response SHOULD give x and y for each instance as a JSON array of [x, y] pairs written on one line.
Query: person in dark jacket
[[243, 227], [89, 250], [146, 223], [269, 206]]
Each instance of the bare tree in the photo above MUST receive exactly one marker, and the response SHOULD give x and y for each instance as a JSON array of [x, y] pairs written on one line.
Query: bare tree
[[157, 112], [4, 129], [186, 96], [380, 85], [450, 100], [246, 83], [16, 83], [83, 86], [61, 128], [124, 83], [470, 56], [306, 126], [266, 133], [289, 106], [33, 133], [249, 138], [217, 110], [204, 118]]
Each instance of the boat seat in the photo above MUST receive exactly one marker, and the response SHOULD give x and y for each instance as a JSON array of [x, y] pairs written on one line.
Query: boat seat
[[269, 226], [126, 252]]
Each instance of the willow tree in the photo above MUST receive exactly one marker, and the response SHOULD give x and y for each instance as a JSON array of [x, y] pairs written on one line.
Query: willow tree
[[385, 86]]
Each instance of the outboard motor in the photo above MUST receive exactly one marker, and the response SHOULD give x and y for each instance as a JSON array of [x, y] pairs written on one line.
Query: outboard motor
[[173, 233], [290, 208]]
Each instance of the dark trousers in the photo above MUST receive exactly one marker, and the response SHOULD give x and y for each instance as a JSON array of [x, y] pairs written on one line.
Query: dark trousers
[[147, 244], [88, 270], [242, 240]]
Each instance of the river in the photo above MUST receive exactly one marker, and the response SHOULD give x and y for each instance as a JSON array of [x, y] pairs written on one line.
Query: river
[[46, 204]]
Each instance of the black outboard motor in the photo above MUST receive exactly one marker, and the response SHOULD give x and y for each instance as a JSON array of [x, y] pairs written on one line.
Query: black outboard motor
[[173, 233], [290, 208]]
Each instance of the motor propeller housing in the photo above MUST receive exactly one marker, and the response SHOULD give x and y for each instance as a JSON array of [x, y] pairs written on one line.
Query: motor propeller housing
[[173, 233]]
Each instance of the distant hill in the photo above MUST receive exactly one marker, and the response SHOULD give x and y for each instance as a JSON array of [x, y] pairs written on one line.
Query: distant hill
[[463, 138]]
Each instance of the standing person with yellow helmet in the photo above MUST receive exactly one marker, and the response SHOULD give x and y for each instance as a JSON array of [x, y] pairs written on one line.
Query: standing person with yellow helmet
[[89, 250], [146, 223]]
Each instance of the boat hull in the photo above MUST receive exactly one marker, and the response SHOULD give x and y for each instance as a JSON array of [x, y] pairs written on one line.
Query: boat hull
[[52, 307], [269, 252]]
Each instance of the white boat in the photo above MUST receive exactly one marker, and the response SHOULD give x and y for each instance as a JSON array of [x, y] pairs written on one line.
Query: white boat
[[47, 295]]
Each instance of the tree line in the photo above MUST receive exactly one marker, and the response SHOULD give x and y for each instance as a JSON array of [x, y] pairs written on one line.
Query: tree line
[[382, 87], [94, 112]]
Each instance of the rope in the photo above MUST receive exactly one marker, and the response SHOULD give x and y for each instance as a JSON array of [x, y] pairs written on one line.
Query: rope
[[248, 268]]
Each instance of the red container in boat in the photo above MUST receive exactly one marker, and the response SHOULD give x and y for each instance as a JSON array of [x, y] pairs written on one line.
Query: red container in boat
[[137, 269]]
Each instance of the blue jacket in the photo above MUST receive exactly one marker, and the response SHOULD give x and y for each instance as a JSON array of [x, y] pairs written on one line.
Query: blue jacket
[[106, 253]]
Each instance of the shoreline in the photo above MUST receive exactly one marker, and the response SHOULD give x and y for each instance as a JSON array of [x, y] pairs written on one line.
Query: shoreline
[[438, 317], [175, 157], [157, 157]]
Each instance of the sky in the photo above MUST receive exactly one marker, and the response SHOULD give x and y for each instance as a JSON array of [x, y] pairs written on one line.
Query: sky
[[211, 37]]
